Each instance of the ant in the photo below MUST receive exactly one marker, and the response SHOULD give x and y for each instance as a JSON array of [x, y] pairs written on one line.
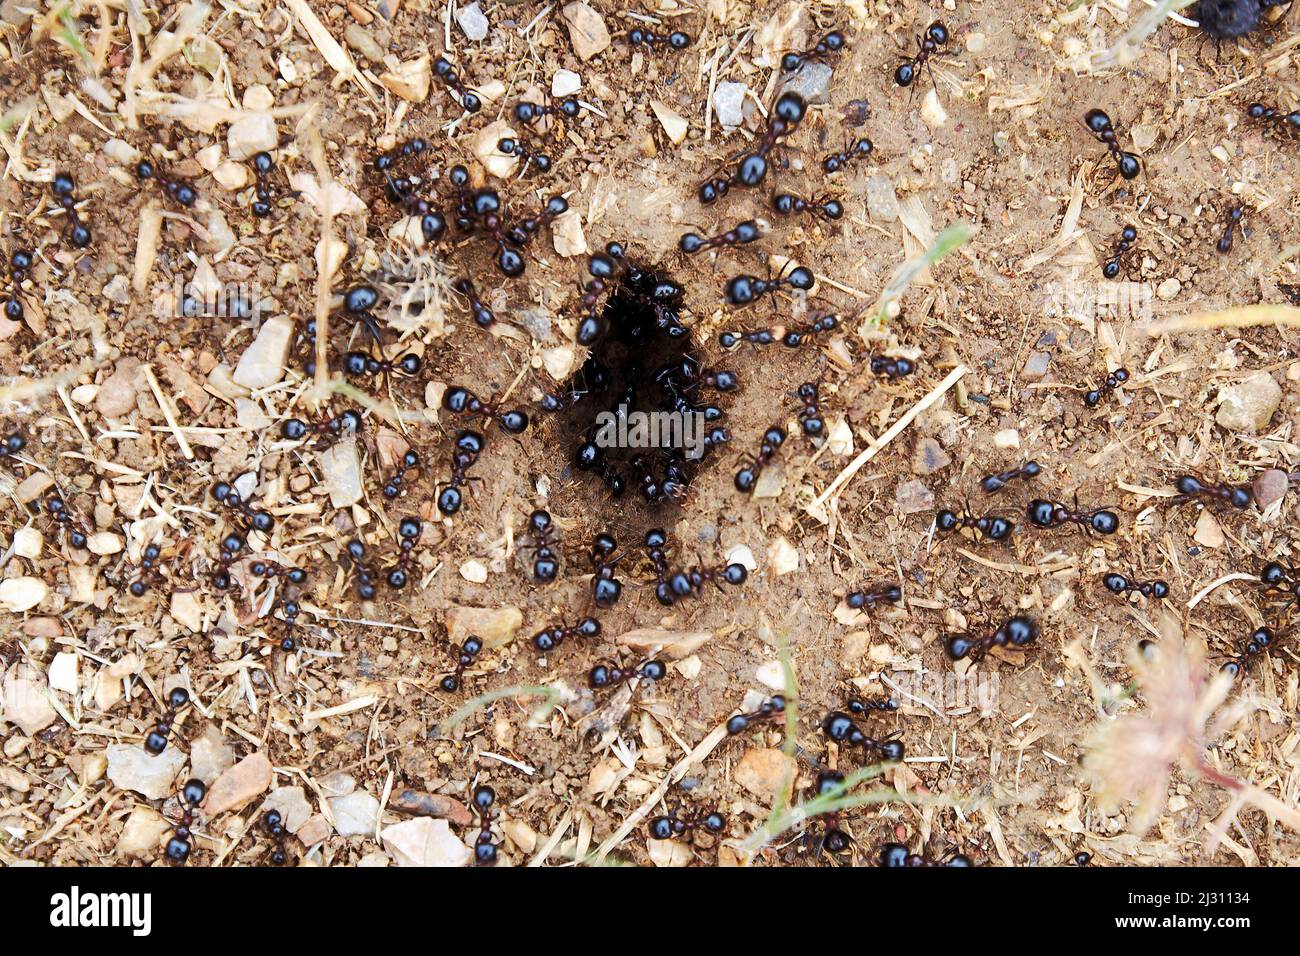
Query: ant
[[273, 823], [1259, 639], [592, 327], [366, 586], [483, 316], [177, 189], [841, 728], [767, 710], [358, 303], [611, 675], [545, 564], [408, 533], [1117, 583], [591, 457], [147, 574], [936, 35], [1113, 381], [60, 513], [447, 73], [1231, 222], [461, 401], [1101, 126], [691, 581], [1126, 239], [468, 652], [232, 546], [832, 42], [469, 445], [554, 635], [1288, 121], [861, 708], [256, 519], [523, 232], [1018, 631], [410, 462], [485, 851], [810, 416], [179, 846], [787, 204], [860, 149], [263, 166], [156, 742], [1052, 514], [605, 588], [1279, 580], [745, 289], [993, 527], [786, 116], [685, 374], [526, 112], [996, 482], [1191, 487], [12, 444], [361, 363], [64, 188], [513, 147], [641, 37], [790, 338], [674, 484], [656, 544], [834, 840], [751, 230], [895, 854], [892, 367], [671, 825], [326, 427], [875, 594], [747, 477], [20, 263]]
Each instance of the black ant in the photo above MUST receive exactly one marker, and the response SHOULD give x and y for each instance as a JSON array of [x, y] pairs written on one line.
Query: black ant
[[936, 35], [58, 510], [545, 561], [273, 823], [875, 594], [895, 854], [357, 304], [401, 191], [1259, 639], [1280, 581], [747, 477], [673, 487], [841, 728], [255, 518], [834, 839], [752, 169], [591, 457], [483, 316], [327, 427], [656, 545], [447, 73], [993, 527], [601, 268], [1018, 631], [523, 232], [410, 462], [1113, 381], [485, 851], [20, 263], [861, 708], [64, 188], [147, 574], [832, 42], [177, 189], [513, 147], [787, 204], [677, 40], [996, 482], [1104, 130], [673, 825], [767, 710], [461, 401], [790, 338], [469, 445], [605, 588], [526, 112], [860, 149], [367, 588], [156, 742], [469, 651], [745, 289], [553, 636], [605, 675], [408, 533], [691, 581], [751, 230], [1191, 487], [179, 846], [1082, 858], [1052, 514], [687, 373], [1117, 583], [892, 367], [1126, 239], [232, 546], [1270, 114], [263, 167], [1231, 222], [810, 416], [361, 363]]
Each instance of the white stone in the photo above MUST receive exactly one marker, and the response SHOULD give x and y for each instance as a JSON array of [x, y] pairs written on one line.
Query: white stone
[[729, 103], [474, 571], [131, 767], [771, 674], [425, 841], [251, 133], [342, 468], [22, 593], [23, 702], [565, 83], [105, 543], [262, 363], [355, 814], [62, 674], [742, 554], [28, 543], [674, 124], [1007, 438], [783, 557], [472, 22]]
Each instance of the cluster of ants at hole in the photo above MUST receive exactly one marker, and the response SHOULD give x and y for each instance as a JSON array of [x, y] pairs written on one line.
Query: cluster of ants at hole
[[633, 319]]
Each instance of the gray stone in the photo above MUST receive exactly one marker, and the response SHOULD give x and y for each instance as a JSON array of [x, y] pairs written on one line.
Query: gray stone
[[538, 324], [1036, 366], [1248, 405], [472, 22], [729, 103], [882, 201], [913, 497], [131, 767], [812, 81], [356, 814], [929, 457]]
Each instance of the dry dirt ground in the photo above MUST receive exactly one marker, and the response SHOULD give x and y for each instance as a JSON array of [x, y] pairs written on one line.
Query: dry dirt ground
[[128, 409]]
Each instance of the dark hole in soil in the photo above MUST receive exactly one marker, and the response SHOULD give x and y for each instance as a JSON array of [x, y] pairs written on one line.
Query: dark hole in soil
[[639, 419]]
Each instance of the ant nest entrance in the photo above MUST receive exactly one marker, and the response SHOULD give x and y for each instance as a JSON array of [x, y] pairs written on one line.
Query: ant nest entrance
[[634, 415]]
